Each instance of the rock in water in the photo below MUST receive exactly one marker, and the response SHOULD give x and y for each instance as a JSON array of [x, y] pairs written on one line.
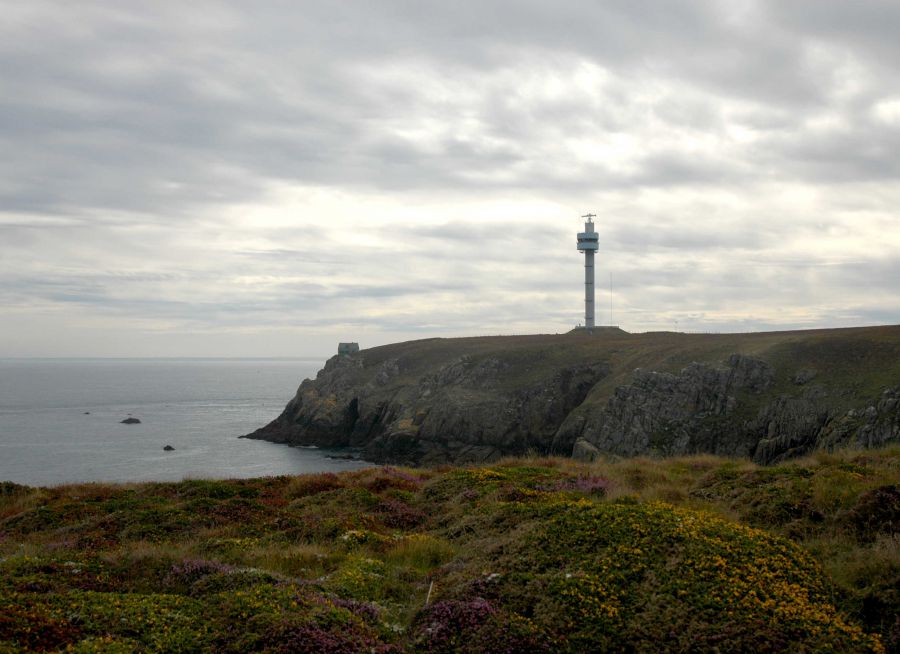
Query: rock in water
[[131, 421], [168, 448]]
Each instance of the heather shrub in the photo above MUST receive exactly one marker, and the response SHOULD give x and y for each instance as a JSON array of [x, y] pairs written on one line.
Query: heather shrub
[[355, 538], [306, 485], [875, 512], [590, 485], [391, 478], [539, 555], [188, 571], [366, 611], [316, 639], [215, 489], [16, 499], [33, 629], [229, 579], [398, 514], [475, 626]]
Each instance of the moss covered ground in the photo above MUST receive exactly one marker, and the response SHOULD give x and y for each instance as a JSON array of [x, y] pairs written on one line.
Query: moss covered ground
[[526, 555]]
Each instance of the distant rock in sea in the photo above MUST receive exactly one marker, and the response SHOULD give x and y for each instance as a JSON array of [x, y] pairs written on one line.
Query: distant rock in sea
[[131, 421], [168, 448], [87, 413]]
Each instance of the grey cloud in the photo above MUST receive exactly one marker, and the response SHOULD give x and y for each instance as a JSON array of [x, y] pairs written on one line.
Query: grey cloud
[[868, 26], [204, 112], [860, 152], [292, 256], [466, 232], [129, 129], [868, 315], [682, 286], [671, 233], [676, 169]]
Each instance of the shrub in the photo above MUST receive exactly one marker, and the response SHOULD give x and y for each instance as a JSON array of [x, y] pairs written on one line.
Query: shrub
[[186, 572], [306, 485], [358, 578], [398, 514], [591, 485], [314, 639], [876, 512], [475, 626], [610, 564]]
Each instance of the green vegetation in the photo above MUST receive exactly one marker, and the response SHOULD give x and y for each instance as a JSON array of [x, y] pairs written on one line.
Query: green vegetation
[[527, 555], [860, 360]]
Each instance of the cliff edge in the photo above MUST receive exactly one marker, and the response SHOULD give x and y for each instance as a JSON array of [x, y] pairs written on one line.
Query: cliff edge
[[767, 396]]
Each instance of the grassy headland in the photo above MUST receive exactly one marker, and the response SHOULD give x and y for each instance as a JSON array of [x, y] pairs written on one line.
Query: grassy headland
[[769, 396], [526, 555]]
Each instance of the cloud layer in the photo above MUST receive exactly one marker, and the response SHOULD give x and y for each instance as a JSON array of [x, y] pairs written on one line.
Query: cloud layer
[[221, 178]]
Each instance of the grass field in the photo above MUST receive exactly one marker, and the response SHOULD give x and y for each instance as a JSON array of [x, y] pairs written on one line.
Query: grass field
[[527, 555], [861, 359]]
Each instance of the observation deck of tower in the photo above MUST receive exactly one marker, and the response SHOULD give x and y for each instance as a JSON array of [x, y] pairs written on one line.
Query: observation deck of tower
[[588, 242]]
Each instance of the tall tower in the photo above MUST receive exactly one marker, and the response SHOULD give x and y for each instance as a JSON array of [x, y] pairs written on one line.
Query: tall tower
[[588, 243]]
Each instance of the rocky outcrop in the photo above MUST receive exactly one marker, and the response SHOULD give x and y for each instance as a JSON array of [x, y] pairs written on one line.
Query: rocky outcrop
[[874, 425], [472, 400], [467, 410], [584, 450], [794, 426], [665, 413], [727, 411], [790, 426]]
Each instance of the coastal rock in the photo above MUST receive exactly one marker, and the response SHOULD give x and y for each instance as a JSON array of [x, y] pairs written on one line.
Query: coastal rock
[[168, 448], [131, 421], [584, 450], [791, 426], [465, 409], [677, 413], [771, 397], [702, 409], [881, 426]]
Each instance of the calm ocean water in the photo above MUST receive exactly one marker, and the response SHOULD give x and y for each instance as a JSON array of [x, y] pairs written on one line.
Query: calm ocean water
[[60, 419]]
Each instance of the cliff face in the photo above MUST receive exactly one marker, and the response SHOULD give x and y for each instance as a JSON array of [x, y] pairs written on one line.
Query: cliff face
[[677, 413], [766, 396], [465, 409]]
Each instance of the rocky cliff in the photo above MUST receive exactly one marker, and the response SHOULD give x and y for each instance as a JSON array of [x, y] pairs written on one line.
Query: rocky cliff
[[767, 396]]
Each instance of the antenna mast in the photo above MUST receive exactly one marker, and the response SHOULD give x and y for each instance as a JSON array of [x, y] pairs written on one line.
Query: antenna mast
[[611, 323], [588, 243]]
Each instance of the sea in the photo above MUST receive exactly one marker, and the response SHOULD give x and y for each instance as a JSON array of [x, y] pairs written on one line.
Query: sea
[[61, 420]]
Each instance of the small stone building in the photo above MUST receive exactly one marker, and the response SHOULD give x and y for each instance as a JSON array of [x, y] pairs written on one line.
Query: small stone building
[[346, 349]]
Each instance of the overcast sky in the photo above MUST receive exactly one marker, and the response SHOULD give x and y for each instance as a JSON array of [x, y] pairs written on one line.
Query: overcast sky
[[268, 178]]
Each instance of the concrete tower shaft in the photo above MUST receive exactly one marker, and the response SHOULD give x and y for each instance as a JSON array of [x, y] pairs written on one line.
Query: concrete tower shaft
[[588, 242]]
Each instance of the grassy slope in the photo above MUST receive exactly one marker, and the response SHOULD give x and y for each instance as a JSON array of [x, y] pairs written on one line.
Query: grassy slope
[[861, 361], [526, 555]]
